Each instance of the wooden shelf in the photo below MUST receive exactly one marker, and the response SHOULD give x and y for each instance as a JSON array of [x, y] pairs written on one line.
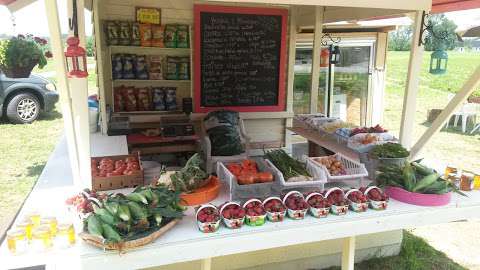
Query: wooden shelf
[[149, 50], [149, 112], [151, 81]]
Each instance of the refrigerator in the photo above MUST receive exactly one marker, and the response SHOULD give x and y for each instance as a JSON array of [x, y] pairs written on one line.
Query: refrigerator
[[344, 88]]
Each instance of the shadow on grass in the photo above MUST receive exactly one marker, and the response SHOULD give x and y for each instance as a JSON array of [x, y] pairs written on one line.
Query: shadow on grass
[[44, 116], [35, 170], [415, 254], [453, 129]]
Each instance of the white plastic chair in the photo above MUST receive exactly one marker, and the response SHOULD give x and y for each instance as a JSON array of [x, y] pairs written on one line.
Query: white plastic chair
[[465, 111]]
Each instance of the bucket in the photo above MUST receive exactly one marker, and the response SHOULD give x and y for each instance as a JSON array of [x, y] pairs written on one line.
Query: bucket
[[93, 119]]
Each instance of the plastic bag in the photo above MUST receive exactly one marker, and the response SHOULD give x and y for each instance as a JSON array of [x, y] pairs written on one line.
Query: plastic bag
[[223, 131]]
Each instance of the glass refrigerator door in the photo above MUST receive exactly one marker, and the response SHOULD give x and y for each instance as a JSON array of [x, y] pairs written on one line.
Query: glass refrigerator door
[[350, 82], [301, 88]]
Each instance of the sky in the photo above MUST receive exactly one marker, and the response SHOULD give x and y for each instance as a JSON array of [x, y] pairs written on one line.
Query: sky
[[32, 19]]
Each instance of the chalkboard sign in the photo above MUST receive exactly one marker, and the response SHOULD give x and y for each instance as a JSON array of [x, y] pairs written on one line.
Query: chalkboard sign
[[239, 58]]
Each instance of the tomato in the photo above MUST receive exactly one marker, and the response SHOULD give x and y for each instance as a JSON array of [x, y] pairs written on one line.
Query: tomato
[[133, 166], [128, 172], [249, 164], [246, 179], [130, 159], [106, 161], [110, 174], [119, 163], [264, 177], [234, 168], [102, 173]]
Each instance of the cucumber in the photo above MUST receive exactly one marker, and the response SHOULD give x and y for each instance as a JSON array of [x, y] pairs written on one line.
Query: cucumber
[[425, 182], [94, 226]]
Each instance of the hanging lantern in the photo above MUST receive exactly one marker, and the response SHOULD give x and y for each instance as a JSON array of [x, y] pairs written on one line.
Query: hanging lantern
[[438, 62], [76, 59], [334, 54], [324, 55]]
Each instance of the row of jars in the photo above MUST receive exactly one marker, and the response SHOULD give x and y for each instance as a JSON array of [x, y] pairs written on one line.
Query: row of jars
[[40, 233]]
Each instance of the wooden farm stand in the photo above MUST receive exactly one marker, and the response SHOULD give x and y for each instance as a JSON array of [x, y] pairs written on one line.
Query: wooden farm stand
[[267, 124]]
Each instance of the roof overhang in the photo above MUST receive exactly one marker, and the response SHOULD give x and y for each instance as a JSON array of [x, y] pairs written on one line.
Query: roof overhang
[[441, 6]]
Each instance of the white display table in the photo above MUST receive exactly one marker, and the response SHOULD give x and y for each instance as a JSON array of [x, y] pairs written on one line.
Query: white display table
[[195, 245]]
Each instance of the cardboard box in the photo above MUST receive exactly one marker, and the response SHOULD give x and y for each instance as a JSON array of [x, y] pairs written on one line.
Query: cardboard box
[[121, 181]]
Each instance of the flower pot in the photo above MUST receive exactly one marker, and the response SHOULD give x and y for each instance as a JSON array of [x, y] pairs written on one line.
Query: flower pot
[[19, 72]]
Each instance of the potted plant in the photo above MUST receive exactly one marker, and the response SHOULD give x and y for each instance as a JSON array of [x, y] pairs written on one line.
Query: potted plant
[[19, 55]]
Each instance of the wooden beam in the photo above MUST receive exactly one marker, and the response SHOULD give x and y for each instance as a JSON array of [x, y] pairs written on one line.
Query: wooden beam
[[206, 264], [79, 93], [348, 253], [413, 77], [317, 47], [101, 59], [446, 113], [63, 87], [292, 35]]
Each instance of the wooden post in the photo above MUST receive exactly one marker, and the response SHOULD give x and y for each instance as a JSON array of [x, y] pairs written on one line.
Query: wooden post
[[63, 87], [291, 73], [407, 125], [348, 253], [100, 57], [317, 47], [206, 264], [446, 113], [79, 92]]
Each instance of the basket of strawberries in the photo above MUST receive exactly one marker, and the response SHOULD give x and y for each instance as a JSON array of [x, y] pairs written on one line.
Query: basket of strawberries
[[336, 199], [255, 212], [208, 218], [275, 208], [357, 201], [232, 214], [377, 199], [296, 205], [319, 206]]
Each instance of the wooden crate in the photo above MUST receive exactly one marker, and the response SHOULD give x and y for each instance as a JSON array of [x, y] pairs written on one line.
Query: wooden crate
[[121, 181]]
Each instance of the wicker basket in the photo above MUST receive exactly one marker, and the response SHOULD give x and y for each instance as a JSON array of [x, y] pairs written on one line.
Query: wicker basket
[[131, 244]]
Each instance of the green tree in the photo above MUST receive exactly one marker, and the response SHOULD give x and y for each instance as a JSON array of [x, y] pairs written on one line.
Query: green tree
[[444, 37], [90, 46], [400, 39]]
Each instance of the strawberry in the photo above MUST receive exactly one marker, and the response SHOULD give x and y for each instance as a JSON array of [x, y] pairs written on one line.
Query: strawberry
[[208, 214]]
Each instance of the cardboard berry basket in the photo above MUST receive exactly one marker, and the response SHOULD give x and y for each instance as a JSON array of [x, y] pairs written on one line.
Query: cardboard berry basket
[[207, 227], [354, 206], [376, 205], [317, 212], [334, 209], [275, 216], [121, 181], [258, 220]]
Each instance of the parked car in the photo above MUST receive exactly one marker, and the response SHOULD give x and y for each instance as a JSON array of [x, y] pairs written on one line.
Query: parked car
[[22, 100]]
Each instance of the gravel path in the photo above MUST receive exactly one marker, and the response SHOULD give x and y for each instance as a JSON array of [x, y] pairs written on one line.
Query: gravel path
[[459, 240]]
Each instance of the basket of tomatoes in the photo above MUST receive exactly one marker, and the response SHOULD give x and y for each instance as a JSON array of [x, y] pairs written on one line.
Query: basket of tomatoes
[[248, 178]]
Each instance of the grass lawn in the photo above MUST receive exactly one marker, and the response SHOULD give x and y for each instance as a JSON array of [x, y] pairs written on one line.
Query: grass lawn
[[415, 254], [48, 71], [25, 150], [449, 146]]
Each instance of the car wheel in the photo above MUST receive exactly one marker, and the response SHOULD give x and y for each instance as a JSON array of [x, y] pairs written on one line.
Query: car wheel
[[23, 109]]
